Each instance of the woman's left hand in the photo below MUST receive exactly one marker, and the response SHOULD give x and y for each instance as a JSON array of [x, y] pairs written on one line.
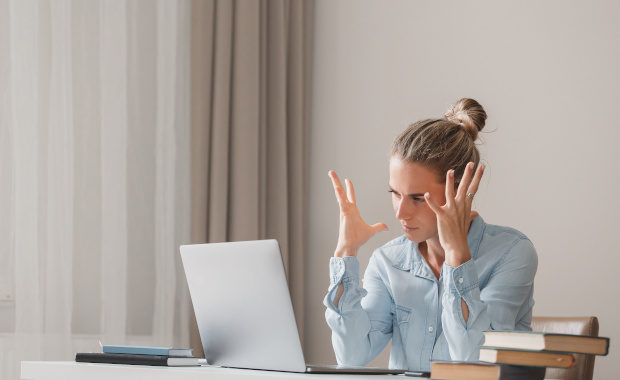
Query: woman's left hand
[[454, 218]]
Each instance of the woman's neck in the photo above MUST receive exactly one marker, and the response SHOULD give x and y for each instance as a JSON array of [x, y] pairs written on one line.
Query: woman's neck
[[434, 254]]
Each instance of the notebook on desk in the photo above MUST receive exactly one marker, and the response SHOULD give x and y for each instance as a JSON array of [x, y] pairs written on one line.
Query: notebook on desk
[[244, 311]]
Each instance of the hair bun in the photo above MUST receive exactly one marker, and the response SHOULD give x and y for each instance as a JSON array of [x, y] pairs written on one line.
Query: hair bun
[[469, 114]]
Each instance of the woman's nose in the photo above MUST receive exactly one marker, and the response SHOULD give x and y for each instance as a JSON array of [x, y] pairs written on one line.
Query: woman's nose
[[403, 211]]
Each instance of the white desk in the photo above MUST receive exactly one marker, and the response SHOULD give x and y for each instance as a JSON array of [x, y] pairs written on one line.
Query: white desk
[[92, 371]]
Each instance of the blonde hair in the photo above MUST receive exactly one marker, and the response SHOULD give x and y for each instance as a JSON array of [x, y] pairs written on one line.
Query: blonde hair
[[446, 143]]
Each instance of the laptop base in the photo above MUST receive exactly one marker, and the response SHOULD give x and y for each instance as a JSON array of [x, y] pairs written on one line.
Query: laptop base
[[352, 370]]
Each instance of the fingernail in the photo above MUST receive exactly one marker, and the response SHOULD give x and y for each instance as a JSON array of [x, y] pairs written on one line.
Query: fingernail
[[427, 195], [451, 173]]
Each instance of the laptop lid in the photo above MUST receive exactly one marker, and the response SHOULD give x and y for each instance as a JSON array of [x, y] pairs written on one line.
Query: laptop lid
[[242, 305]]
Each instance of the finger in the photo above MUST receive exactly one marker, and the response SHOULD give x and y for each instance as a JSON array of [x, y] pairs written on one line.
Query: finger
[[449, 187], [350, 190], [472, 216], [433, 206], [465, 181], [340, 194], [378, 227], [473, 187]]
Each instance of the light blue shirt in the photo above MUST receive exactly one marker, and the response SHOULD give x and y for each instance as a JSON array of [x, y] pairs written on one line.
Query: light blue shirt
[[402, 299]]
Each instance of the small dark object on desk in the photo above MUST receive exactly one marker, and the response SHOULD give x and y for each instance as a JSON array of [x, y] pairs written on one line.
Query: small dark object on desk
[[417, 374]]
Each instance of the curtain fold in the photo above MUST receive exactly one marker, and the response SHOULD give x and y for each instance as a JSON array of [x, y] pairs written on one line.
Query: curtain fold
[[250, 70], [113, 77]]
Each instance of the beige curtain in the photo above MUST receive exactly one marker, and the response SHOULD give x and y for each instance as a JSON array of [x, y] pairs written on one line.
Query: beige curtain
[[94, 176], [250, 77]]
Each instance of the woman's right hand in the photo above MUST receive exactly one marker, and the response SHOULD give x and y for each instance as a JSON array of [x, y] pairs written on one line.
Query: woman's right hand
[[353, 232]]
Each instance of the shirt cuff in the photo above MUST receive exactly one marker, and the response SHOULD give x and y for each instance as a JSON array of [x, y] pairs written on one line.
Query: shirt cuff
[[462, 279], [344, 269]]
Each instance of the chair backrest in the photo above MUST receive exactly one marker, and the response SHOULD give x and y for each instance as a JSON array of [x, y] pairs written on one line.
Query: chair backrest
[[584, 364]]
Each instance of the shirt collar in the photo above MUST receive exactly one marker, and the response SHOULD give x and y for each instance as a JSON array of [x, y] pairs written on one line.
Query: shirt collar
[[410, 257]]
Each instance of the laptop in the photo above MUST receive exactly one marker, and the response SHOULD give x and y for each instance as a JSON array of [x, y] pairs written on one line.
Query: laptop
[[244, 310]]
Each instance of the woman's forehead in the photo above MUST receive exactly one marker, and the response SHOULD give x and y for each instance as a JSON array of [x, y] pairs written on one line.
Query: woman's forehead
[[411, 177]]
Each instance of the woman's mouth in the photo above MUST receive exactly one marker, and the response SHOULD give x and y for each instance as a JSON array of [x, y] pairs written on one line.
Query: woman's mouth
[[409, 229]]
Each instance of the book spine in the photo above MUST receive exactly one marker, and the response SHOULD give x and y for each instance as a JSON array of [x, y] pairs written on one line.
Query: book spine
[[136, 350], [522, 372], [157, 360]]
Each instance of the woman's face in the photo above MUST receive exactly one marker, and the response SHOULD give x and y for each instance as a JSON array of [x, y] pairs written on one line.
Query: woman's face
[[408, 183]]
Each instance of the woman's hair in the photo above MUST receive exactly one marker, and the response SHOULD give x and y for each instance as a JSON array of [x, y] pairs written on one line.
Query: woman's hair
[[446, 143]]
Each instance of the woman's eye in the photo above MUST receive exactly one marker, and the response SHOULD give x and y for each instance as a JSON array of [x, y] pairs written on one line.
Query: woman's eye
[[394, 194], [418, 199]]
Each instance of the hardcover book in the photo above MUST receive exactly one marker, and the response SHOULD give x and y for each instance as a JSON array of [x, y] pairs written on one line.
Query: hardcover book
[[145, 350], [539, 341], [452, 370], [526, 357]]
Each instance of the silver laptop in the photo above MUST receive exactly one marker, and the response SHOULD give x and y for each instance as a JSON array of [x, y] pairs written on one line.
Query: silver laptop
[[243, 308]]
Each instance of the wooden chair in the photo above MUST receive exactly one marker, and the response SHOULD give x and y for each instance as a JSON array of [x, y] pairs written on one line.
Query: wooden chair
[[584, 364]]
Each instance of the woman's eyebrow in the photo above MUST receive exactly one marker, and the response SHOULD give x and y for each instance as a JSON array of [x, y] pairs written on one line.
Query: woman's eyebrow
[[409, 195]]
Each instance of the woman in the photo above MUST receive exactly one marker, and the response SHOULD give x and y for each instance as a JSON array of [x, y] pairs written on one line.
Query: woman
[[451, 276]]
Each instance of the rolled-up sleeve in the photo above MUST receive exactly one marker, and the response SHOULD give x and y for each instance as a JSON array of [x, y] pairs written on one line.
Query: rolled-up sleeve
[[496, 306], [361, 323]]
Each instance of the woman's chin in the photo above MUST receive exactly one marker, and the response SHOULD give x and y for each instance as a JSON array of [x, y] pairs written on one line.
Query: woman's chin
[[415, 236]]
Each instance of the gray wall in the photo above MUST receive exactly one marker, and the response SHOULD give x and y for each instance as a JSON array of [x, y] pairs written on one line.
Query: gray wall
[[547, 74]]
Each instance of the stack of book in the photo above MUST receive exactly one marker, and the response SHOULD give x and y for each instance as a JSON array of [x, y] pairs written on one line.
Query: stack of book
[[141, 355], [521, 354]]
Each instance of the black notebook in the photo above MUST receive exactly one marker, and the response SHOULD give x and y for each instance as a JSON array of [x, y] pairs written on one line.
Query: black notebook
[[159, 360]]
